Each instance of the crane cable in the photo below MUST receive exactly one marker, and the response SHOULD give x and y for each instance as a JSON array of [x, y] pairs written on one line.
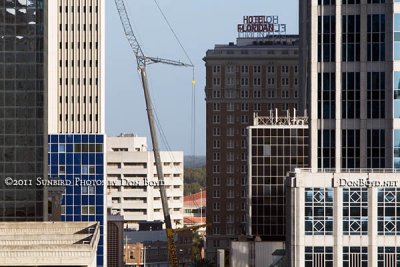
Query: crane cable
[[193, 112]]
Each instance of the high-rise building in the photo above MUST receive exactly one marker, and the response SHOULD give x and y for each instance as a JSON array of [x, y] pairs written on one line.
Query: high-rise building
[[257, 74], [74, 80], [133, 185], [22, 110], [277, 145], [343, 219], [350, 71]]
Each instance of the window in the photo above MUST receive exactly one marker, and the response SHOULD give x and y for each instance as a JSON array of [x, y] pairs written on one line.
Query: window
[[244, 119], [61, 169], [388, 213], [326, 95], [271, 81], [388, 256], [230, 69], [376, 37], [351, 38], [216, 81], [216, 131], [88, 210], [285, 69], [230, 81], [271, 94], [216, 169], [230, 144], [376, 149], [216, 94], [216, 69], [321, 255], [257, 106], [326, 37], [216, 194], [230, 156], [257, 93], [216, 143], [244, 69], [216, 206], [351, 149], [244, 94], [216, 156], [355, 256], [216, 181], [61, 148], [350, 95], [245, 106], [318, 213], [257, 81], [285, 94], [230, 107], [271, 69], [284, 81], [244, 81], [216, 119], [257, 69], [230, 119], [216, 106], [355, 211]]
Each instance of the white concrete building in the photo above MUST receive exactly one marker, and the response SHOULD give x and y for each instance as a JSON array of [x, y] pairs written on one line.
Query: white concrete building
[[49, 244], [129, 167], [343, 219]]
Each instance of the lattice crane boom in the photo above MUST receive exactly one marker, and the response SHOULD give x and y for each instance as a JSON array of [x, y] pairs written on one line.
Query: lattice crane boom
[[142, 61]]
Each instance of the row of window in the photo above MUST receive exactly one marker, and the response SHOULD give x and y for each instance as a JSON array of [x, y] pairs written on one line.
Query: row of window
[[319, 210], [230, 81], [78, 8], [230, 144], [230, 181], [256, 69]]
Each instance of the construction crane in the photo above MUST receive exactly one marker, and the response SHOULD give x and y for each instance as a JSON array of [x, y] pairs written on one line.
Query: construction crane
[[142, 62]]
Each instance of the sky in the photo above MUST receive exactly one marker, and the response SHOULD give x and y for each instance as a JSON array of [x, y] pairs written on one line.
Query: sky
[[199, 25]]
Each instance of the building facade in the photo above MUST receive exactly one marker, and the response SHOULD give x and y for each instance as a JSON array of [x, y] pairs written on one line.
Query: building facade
[[22, 109], [350, 71], [133, 182], [277, 145], [44, 244], [115, 240], [343, 219], [254, 75], [74, 80]]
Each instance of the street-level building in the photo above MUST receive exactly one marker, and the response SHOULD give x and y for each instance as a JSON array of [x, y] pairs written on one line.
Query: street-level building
[[133, 182], [349, 218], [252, 75]]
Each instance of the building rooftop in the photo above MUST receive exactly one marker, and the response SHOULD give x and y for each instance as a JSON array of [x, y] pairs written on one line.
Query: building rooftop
[[275, 120], [48, 243], [195, 199]]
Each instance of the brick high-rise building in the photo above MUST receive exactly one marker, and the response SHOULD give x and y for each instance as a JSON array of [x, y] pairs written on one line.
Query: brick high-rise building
[[255, 75]]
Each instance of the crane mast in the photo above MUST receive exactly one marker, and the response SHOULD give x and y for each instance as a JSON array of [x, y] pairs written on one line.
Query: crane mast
[[142, 62]]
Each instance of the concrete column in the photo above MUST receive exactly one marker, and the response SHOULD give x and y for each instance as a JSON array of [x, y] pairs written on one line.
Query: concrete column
[[338, 227], [338, 89], [372, 225], [363, 84]]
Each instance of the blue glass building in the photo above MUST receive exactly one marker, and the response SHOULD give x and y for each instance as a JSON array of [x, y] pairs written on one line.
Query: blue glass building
[[78, 159]]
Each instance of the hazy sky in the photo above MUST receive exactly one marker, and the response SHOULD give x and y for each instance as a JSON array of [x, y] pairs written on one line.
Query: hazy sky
[[200, 25]]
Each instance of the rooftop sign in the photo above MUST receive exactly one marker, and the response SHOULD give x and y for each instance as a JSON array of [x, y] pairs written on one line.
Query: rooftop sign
[[260, 27]]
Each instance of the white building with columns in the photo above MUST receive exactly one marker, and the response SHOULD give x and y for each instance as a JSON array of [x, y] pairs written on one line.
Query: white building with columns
[[350, 218], [132, 181]]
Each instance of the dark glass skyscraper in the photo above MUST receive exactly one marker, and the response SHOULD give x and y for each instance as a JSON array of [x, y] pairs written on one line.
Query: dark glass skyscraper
[[21, 108]]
